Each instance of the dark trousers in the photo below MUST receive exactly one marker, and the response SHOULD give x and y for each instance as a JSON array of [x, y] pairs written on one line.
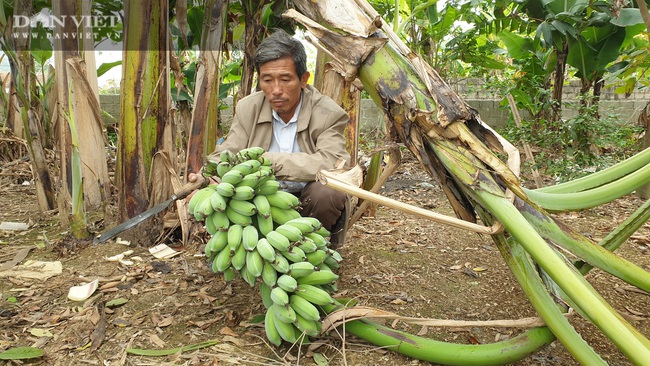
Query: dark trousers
[[322, 202]]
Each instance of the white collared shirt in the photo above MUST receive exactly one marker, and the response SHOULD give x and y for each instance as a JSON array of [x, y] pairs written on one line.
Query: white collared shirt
[[284, 134], [285, 141]]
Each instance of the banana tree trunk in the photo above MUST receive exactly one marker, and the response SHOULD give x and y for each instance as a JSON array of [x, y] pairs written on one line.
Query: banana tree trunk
[[76, 88], [144, 123], [458, 149], [346, 94], [205, 127], [20, 60]]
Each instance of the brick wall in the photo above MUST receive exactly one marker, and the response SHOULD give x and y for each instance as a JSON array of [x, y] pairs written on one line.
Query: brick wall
[[487, 104]]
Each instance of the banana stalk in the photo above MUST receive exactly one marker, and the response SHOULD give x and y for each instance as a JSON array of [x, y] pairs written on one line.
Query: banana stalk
[[617, 237], [526, 275], [457, 148], [78, 217], [587, 250], [602, 177], [629, 340], [556, 202], [425, 349]]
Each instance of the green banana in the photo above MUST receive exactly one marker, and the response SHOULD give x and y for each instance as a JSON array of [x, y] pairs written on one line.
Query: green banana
[[254, 263], [281, 264], [198, 197], [216, 243], [233, 177], [290, 232], [278, 241], [210, 168], [247, 166], [283, 200], [237, 218], [238, 258], [226, 189], [334, 254], [243, 193], [284, 313], [235, 232], [304, 224], [282, 216], [250, 153], [304, 308], [279, 296], [250, 237], [250, 180], [268, 187], [265, 293], [270, 328], [331, 262], [247, 276], [320, 241], [314, 294], [318, 278], [264, 224], [264, 160], [269, 275], [323, 232], [227, 156], [302, 269], [218, 201], [209, 225], [287, 330], [317, 257], [308, 327], [223, 168], [307, 245], [265, 249], [229, 274], [262, 205], [294, 255], [203, 209], [221, 261], [287, 283], [245, 208], [219, 220]]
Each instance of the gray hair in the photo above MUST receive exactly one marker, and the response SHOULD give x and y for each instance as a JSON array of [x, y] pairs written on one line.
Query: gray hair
[[279, 45]]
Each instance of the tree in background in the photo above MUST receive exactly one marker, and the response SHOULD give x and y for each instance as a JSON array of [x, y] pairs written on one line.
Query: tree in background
[[83, 167], [145, 127]]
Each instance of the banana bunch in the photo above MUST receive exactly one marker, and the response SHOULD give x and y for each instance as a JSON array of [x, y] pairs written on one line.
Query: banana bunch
[[257, 232]]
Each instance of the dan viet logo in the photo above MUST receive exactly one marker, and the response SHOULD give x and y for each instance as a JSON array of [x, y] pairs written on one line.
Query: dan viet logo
[[62, 27]]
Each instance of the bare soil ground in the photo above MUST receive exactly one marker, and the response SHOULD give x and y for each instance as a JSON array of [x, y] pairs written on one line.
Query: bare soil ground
[[393, 262]]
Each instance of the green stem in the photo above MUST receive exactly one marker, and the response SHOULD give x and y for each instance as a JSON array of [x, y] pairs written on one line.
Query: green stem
[[528, 278], [585, 249], [619, 235], [425, 349], [604, 176], [629, 340], [592, 197]]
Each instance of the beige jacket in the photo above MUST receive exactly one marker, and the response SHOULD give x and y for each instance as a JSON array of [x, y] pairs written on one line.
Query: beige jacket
[[320, 134]]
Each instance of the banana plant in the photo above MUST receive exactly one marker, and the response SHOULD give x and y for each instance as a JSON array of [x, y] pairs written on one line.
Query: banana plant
[[145, 127], [204, 129], [18, 51], [76, 83], [456, 148]]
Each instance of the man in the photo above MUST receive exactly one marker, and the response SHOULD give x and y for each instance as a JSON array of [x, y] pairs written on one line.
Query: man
[[300, 129]]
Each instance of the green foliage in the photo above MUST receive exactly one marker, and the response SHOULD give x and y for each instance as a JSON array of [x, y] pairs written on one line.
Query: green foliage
[[571, 148]]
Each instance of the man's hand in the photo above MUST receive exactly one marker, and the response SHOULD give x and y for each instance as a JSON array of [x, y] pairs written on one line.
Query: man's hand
[[193, 177]]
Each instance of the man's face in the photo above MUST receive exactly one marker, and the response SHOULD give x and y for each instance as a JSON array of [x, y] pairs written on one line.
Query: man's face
[[282, 86]]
